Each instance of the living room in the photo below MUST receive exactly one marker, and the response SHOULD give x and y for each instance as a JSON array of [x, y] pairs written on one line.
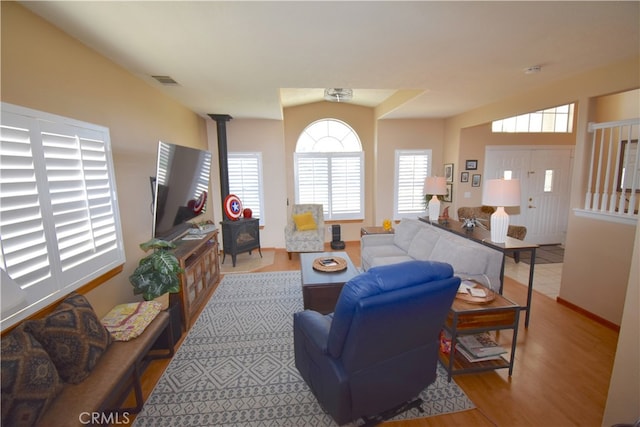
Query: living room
[[45, 69]]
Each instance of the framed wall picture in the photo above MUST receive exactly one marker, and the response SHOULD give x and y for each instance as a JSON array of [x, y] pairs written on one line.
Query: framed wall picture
[[464, 176], [448, 172], [449, 196], [475, 180], [471, 165], [626, 161]]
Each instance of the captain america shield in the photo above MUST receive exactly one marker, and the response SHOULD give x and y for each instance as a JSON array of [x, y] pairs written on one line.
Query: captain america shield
[[232, 206]]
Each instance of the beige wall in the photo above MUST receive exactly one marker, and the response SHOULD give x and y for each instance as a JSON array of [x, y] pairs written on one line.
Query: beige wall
[[598, 253], [410, 134], [623, 400], [596, 266], [379, 144], [618, 106], [266, 137], [361, 119], [44, 69]]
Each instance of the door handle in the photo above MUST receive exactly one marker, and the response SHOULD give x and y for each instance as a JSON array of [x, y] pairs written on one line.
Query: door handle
[[531, 207]]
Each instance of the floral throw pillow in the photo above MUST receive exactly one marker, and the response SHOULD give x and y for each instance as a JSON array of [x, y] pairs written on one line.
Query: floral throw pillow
[[128, 321]]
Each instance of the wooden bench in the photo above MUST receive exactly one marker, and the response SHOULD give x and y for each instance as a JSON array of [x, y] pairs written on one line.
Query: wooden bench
[[96, 400]]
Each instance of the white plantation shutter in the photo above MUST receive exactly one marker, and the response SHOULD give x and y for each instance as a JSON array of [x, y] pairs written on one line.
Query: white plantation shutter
[[329, 169], [245, 181], [25, 255], [59, 218], [332, 179], [412, 167], [312, 179], [346, 186]]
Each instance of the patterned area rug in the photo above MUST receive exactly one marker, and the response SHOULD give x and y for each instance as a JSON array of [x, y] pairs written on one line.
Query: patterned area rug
[[236, 366]]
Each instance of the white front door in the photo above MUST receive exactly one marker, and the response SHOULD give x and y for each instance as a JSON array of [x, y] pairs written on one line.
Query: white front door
[[544, 173]]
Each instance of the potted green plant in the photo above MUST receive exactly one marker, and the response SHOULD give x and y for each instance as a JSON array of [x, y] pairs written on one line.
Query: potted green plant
[[158, 273]]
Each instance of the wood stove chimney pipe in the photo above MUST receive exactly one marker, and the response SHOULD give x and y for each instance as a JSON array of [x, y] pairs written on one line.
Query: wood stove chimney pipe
[[221, 126]]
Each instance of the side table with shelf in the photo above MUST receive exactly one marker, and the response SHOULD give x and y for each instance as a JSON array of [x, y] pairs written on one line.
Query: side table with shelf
[[470, 318], [201, 272]]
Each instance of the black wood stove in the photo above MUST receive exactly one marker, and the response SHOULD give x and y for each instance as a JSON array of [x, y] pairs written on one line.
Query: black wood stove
[[242, 235], [239, 235]]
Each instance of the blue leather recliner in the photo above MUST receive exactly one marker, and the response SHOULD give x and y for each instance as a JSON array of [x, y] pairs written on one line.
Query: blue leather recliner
[[379, 349]]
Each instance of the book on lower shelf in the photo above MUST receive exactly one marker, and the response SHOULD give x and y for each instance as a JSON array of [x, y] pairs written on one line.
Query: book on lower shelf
[[480, 345], [471, 358]]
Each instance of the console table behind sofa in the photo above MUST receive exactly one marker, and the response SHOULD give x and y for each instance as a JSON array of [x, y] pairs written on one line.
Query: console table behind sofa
[[511, 245]]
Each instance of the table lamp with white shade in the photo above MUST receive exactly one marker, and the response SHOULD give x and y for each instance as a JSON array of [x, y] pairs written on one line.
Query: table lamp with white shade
[[500, 193], [436, 186]]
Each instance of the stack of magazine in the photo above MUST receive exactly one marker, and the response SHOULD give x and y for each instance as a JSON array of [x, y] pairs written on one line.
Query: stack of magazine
[[479, 347]]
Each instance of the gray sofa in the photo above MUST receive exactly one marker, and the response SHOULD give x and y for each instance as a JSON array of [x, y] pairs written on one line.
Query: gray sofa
[[415, 239]]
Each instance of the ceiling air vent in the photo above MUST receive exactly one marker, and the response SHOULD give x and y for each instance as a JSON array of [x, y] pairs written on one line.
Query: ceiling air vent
[[165, 80]]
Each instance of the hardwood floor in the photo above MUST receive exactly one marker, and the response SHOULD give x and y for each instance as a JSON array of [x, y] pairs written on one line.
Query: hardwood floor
[[560, 378]]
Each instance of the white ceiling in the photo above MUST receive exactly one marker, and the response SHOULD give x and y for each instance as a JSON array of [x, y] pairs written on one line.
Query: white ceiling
[[249, 59]]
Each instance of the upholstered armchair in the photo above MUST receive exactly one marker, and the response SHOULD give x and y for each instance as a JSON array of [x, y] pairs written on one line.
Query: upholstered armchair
[[483, 215], [308, 234], [373, 356]]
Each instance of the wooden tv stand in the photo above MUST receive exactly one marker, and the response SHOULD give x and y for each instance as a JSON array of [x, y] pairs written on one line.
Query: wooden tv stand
[[199, 260]]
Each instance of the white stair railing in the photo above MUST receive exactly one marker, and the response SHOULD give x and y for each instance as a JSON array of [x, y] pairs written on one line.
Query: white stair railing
[[614, 173]]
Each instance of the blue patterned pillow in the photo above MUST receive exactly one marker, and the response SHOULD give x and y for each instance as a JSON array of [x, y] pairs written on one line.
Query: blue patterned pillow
[[73, 336], [30, 381]]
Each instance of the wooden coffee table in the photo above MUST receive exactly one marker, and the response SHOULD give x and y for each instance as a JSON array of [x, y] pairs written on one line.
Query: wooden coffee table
[[320, 290]]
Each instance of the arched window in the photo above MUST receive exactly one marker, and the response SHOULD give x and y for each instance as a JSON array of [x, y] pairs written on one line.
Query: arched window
[[329, 169]]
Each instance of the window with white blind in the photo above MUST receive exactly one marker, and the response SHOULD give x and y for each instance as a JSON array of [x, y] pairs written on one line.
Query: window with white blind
[[245, 181], [329, 169], [411, 169], [59, 220]]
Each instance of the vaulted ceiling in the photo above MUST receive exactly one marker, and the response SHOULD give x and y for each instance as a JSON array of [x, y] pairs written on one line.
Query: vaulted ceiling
[[418, 59]]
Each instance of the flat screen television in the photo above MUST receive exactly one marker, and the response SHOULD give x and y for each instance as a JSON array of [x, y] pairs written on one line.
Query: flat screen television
[[180, 189]]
